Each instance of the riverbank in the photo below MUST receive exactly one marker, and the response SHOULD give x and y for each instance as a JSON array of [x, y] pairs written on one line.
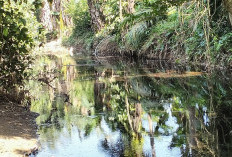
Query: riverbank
[[54, 72], [17, 131], [108, 48]]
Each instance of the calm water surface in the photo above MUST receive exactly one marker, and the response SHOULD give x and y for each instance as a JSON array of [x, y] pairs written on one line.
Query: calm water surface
[[101, 110]]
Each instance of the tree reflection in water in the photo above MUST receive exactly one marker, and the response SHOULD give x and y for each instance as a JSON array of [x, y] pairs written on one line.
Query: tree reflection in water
[[141, 108]]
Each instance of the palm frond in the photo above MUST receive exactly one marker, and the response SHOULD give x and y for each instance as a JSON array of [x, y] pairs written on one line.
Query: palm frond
[[135, 36]]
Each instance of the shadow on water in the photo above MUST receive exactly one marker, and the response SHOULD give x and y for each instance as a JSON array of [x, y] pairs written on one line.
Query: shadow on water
[[126, 110]]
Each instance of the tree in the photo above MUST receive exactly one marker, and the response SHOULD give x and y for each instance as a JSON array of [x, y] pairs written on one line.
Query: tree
[[53, 16], [131, 8], [228, 5], [15, 43], [97, 16], [45, 16]]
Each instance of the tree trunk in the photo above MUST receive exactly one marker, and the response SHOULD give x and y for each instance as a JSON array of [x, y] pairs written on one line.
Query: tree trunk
[[120, 9], [228, 6], [45, 16], [137, 117], [152, 141], [131, 8], [230, 17], [192, 128], [96, 13], [53, 12], [56, 5]]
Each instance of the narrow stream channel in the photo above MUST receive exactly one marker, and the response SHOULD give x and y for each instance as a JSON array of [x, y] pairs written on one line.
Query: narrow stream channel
[[95, 110]]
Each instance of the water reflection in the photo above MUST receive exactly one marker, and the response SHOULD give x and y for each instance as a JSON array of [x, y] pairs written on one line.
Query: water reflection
[[92, 110]]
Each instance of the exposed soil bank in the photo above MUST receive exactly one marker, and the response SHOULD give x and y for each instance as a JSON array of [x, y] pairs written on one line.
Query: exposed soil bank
[[17, 130]]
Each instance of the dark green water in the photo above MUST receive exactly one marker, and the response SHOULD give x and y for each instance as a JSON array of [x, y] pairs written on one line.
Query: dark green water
[[129, 110]]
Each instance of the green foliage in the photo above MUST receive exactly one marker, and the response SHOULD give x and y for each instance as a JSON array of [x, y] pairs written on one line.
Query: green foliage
[[160, 19], [189, 32], [81, 33], [224, 42], [111, 10], [161, 32], [135, 36], [183, 30], [15, 43], [195, 44], [80, 17], [209, 35]]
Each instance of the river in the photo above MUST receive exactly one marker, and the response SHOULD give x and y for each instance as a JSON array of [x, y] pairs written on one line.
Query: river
[[92, 109]]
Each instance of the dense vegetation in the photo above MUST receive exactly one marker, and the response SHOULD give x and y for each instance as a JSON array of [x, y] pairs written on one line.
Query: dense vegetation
[[23, 26], [182, 31], [16, 40]]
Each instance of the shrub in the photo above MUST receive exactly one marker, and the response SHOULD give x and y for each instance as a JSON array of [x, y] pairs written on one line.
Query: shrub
[[15, 43]]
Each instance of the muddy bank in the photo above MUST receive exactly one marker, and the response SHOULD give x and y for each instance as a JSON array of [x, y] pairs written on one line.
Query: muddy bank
[[17, 130]]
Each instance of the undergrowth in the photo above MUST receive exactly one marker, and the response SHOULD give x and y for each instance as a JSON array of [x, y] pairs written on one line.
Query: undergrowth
[[196, 31], [82, 34]]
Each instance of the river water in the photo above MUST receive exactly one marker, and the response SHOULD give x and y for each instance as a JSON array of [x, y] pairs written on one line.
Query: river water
[[92, 109]]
